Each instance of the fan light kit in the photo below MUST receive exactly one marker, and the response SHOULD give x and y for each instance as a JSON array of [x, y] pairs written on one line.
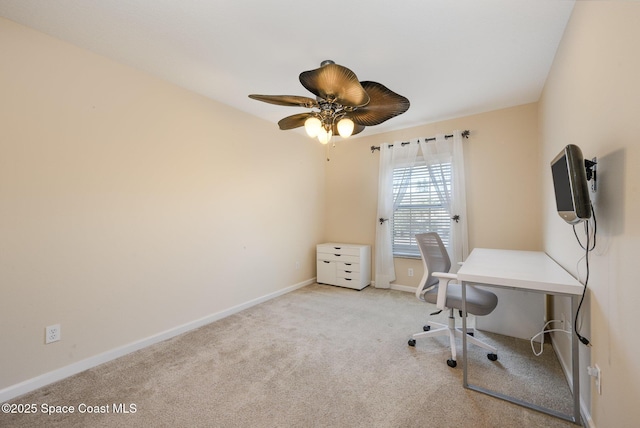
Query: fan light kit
[[343, 104]]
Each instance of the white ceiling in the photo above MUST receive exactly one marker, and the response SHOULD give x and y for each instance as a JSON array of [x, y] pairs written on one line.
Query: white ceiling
[[450, 58]]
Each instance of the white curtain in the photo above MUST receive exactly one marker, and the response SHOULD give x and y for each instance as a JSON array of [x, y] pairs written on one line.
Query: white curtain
[[390, 157], [459, 230], [453, 198]]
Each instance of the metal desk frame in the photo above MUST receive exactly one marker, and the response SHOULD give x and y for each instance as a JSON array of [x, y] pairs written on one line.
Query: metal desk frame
[[522, 270]]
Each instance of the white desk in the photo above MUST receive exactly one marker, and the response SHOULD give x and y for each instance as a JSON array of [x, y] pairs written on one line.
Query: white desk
[[524, 270]]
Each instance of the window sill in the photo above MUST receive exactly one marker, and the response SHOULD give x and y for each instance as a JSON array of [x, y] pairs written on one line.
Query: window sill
[[406, 256]]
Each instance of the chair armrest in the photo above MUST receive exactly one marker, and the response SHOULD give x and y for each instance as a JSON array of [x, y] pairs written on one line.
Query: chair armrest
[[445, 278], [445, 275]]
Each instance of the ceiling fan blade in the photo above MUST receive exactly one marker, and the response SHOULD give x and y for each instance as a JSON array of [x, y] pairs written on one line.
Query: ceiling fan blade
[[384, 105], [286, 100], [335, 83], [294, 121]]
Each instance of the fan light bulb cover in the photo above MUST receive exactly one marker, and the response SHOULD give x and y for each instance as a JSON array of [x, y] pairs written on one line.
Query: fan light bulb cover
[[324, 136], [345, 127], [312, 126]]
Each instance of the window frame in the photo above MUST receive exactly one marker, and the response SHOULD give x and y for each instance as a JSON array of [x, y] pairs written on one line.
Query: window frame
[[425, 203]]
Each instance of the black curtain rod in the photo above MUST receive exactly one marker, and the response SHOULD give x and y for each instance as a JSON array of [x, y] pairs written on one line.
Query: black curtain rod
[[465, 134]]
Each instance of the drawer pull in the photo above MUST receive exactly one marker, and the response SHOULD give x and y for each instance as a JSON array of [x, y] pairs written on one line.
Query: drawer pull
[[326, 261], [347, 264], [348, 279], [338, 255], [337, 248], [347, 271]]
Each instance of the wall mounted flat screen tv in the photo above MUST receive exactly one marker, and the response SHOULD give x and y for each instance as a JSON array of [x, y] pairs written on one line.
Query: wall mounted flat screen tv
[[570, 185]]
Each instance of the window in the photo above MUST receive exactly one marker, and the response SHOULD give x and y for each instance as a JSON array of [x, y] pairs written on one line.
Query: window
[[420, 206]]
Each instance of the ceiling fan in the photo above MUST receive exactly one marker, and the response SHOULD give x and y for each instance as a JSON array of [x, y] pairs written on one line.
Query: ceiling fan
[[343, 105]]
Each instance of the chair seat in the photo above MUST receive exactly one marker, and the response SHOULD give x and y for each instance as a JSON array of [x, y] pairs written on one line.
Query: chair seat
[[479, 302]]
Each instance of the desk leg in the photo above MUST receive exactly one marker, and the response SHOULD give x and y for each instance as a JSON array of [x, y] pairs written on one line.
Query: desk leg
[[575, 366], [465, 383], [575, 417]]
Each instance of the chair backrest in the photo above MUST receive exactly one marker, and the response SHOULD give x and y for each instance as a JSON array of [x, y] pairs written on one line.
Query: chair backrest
[[434, 257]]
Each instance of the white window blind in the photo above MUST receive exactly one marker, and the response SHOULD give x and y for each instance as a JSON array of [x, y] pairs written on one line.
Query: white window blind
[[419, 206]]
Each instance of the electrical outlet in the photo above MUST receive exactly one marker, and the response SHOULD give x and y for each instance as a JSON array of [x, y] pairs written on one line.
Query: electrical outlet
[[596, 374], [52, 333], [410, 272]]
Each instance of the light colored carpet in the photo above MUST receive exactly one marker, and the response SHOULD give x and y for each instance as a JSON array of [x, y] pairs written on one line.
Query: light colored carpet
[[321, 356]]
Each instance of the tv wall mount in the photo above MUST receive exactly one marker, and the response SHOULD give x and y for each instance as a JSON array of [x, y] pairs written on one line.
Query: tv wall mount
[[590, 168]]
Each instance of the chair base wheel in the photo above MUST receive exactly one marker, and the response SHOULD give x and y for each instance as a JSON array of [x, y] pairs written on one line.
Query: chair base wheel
[[412, 342], [426, 328], [492, 357], [452, 363]]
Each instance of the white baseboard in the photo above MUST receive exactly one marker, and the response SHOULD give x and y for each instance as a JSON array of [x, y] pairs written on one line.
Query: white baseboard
[[29, 385], [406, 288], [566, 368], [398, 287]]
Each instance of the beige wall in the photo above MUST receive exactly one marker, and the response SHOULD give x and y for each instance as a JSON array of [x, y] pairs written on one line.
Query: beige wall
[[592, 99], [503, 183], [129, 206]]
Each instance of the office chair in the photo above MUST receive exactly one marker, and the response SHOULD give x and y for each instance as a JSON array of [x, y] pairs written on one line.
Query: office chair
[[435, 287]]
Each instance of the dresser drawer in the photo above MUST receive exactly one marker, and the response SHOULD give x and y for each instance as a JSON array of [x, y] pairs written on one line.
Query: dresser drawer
[[338, 249], [326, 272], [349, 283], [341, 258], [348, 267], [348, 275]]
